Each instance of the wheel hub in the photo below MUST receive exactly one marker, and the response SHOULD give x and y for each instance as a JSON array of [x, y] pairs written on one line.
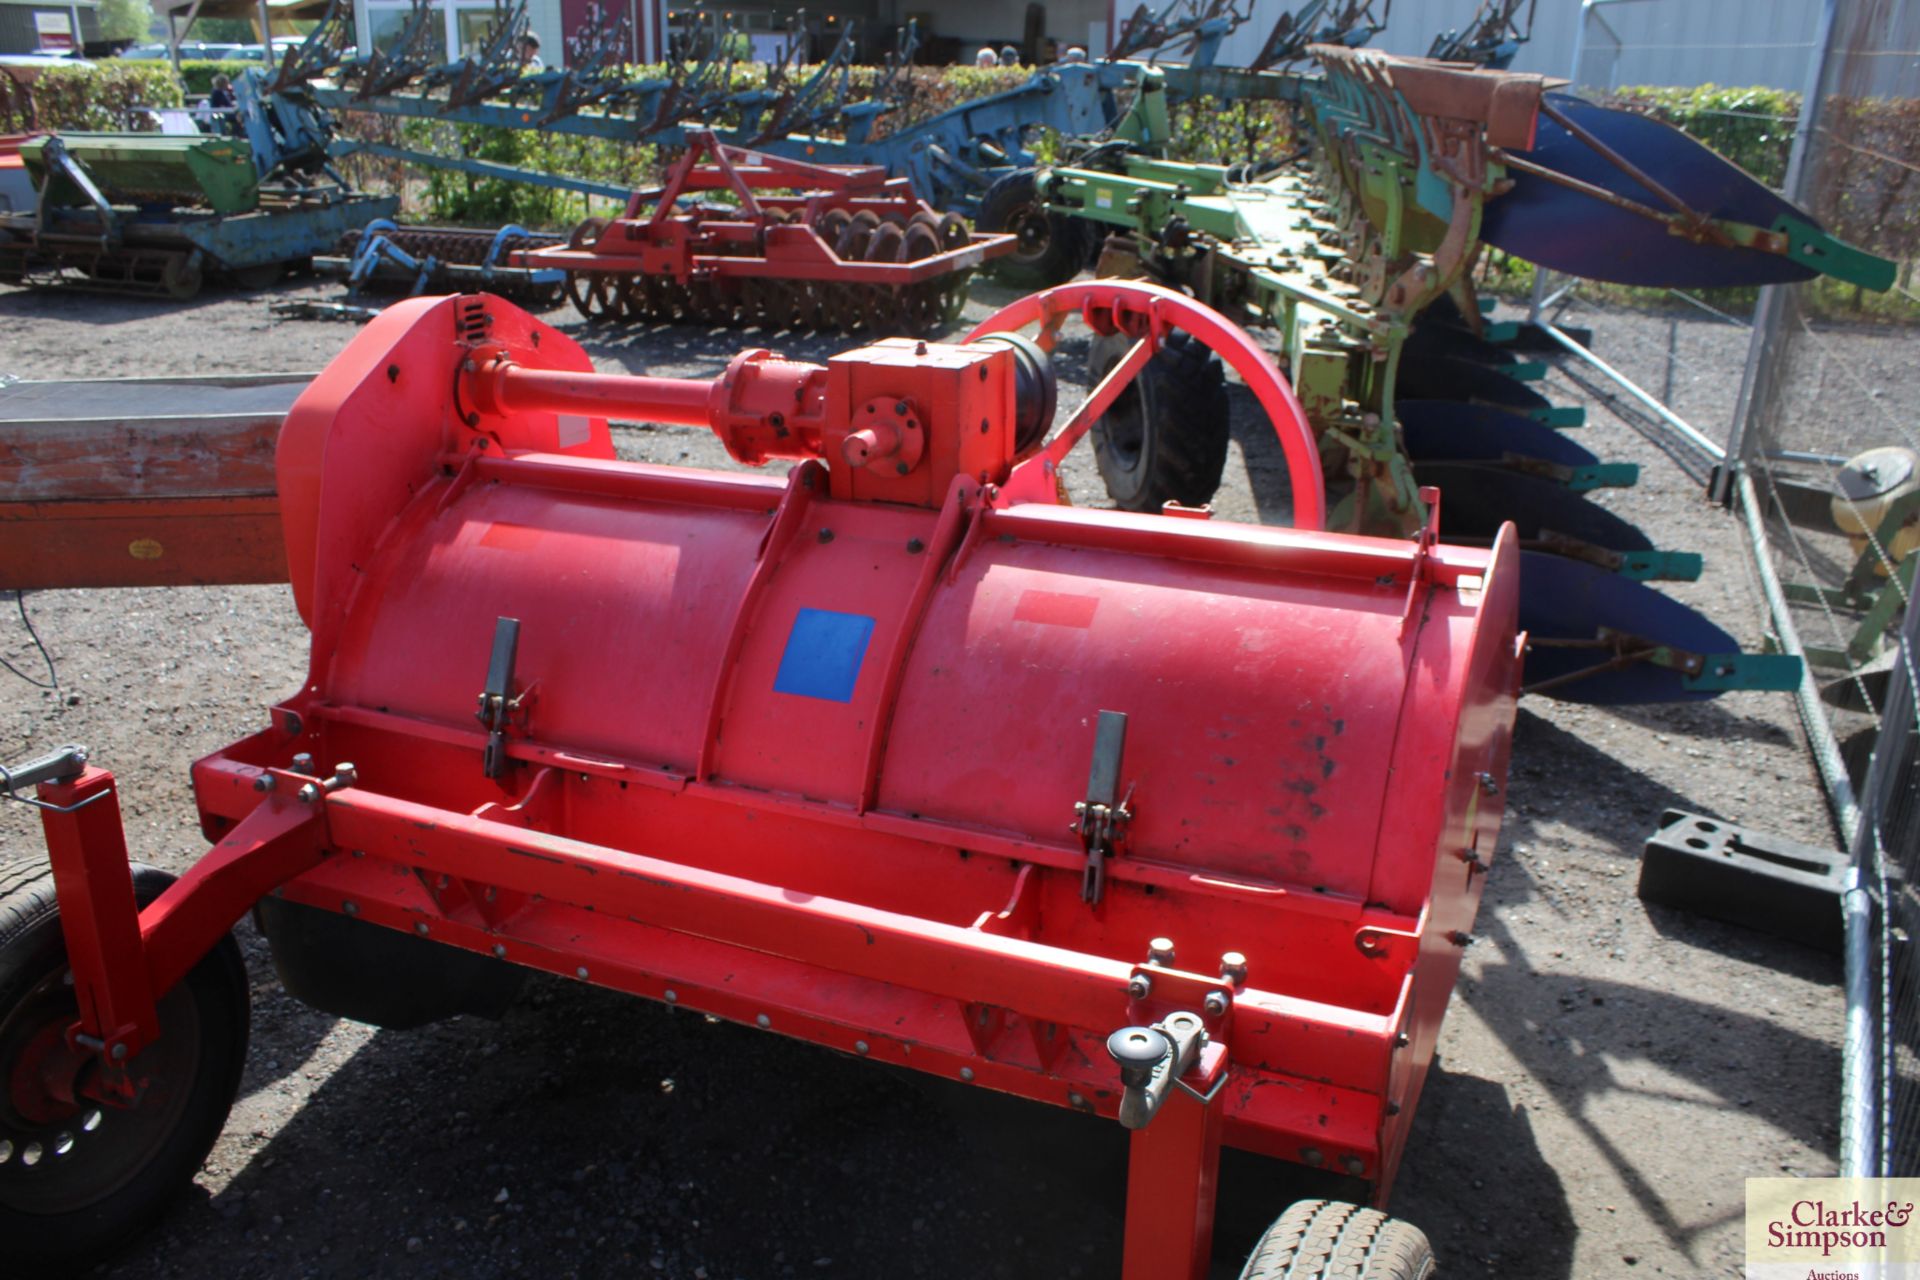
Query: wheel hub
[[59, 1149], [44, 1083]]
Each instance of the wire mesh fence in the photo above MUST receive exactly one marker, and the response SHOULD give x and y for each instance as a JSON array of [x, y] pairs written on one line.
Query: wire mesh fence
[[1832, 468], [1794, 402]]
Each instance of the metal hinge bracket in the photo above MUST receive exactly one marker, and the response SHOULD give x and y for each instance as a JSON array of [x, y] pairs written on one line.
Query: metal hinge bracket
[[1101, 823]]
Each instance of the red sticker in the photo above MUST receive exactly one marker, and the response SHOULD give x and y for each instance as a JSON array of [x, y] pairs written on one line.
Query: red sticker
[[1056, 609]]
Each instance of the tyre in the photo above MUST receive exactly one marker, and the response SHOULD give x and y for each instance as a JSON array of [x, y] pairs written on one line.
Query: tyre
[[181, 278], [261, 276], [1165, 438], [78, 1182], [1332, 1240], [1052, 248]]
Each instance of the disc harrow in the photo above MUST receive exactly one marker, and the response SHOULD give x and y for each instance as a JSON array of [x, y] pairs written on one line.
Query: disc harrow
[[420, 259], [796, 246]]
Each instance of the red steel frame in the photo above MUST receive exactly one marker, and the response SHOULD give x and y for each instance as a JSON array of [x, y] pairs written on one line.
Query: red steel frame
[[1019, 999], [666, 242]]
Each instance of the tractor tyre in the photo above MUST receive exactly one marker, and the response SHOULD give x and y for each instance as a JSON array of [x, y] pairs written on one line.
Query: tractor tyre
[[1052, 247], [79, 1181], [1332, 1240], [1165, 438]]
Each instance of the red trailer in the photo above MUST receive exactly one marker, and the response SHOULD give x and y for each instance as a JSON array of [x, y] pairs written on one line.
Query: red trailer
[[1165, 819], [799, 246]]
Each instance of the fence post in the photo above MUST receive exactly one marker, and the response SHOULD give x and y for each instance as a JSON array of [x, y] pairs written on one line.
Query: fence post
[[1756, 380]]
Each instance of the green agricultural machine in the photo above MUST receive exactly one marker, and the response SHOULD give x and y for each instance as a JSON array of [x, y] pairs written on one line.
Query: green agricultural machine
[[158, 213], [1359, 252]]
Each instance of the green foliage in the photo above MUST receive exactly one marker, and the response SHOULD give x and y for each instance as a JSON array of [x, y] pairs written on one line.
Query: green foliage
[[90, 99], [1210, 131], [125, 19], [451, 196], [224, 31], [197, 74], [1751, 127]]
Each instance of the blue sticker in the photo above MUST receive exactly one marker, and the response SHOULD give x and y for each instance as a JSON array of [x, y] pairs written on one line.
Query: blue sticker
[[823, 655]]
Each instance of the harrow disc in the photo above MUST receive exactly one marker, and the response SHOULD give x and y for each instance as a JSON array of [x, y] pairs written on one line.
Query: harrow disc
[[851, 245], [831, 224], [886, 244]]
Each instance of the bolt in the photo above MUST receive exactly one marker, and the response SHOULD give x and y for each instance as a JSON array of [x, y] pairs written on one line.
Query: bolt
[[351, 907], [1460, 938], [826, 535], [860, 1047], [1075, 1100], [966, 1073], [345, 775], [763, 1022], [1402, 1040], [309, 793], [1312, 1156], [119, 1052], [901, 468], [672, 996], [919, 348], [1353, 1165], [1488, 783], [581, 973], [1139, 987], [500, 951], [265, 782], [303, 762], [421, 928], [915, 546], [1233, 967], [1393, 1108], [1160, 951], [900, 407], [1216, 1004]]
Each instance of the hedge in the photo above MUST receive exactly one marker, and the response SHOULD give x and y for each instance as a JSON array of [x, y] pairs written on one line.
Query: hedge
[[96, 98]]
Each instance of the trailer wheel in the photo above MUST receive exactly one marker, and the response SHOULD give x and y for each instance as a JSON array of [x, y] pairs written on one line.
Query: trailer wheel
[[77, 1182], [1165, 438], [1332, 1240], [1052, 247]]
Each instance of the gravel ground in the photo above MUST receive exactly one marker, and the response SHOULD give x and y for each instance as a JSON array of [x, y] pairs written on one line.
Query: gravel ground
[[1609, 1074]]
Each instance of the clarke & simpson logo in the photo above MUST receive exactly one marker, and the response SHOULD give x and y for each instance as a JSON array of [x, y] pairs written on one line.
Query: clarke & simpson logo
[[1833, 1229]]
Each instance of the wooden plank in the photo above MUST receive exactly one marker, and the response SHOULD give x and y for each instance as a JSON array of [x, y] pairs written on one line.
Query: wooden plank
[[153, 543]]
